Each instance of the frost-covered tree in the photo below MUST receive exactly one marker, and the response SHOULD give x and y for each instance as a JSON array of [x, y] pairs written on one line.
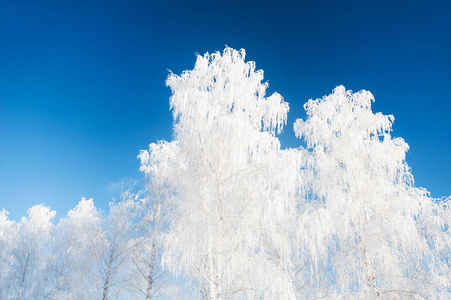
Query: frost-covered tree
[[233, 198], [374, 229], [78, 239], [8, 235], [146, 259], [29, 255], [119, 243]]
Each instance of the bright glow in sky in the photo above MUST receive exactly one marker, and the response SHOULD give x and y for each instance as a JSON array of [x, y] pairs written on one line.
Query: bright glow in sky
[[82, 82]]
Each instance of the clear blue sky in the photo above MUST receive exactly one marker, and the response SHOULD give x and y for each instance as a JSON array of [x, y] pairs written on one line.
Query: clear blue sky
[[82, 82]]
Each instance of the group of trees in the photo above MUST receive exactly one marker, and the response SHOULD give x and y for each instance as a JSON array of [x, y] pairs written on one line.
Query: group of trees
[[87, 255], [228, 214]]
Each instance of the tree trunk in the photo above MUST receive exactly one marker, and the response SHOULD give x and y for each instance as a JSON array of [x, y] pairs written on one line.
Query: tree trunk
[[150, 278], [374, 291], [22, 277], [63, 266], [211, 280], [106, 284]]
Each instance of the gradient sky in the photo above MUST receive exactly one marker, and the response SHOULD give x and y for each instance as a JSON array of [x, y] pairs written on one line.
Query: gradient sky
[[82, 83]]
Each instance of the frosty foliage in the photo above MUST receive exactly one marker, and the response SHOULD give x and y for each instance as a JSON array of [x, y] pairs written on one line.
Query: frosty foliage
[[79, 237], [232, 195], [87, 255], [376, 231], [26, 246], [227, 214]]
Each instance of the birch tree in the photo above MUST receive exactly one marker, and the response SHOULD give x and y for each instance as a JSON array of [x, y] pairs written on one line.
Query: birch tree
[[8, 236], [78, 240], [231, 194], [29, 256], [378, 248], [149, 277], [119, 243]]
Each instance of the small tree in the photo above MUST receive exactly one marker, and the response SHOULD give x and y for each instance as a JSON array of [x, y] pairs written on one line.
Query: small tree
[[78, 240], [30, 255], [8, 238], [155, 218], [119, 229]]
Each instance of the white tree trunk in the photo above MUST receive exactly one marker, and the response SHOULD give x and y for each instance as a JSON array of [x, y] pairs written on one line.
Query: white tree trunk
[[106, 283]]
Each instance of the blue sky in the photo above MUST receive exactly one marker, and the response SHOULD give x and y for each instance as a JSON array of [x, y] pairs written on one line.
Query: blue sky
[[82, 82]]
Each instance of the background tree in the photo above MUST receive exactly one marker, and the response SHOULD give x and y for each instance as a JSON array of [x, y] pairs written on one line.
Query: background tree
[[119, 229], [29, 260], [150, 277], [8, 237], [78, 240]]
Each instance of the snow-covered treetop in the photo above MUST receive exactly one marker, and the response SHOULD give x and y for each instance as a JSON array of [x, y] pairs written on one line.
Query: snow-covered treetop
[[343, 114], [39, 220], [226, 85], [154, 161], [343, 127], [6, 226]]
